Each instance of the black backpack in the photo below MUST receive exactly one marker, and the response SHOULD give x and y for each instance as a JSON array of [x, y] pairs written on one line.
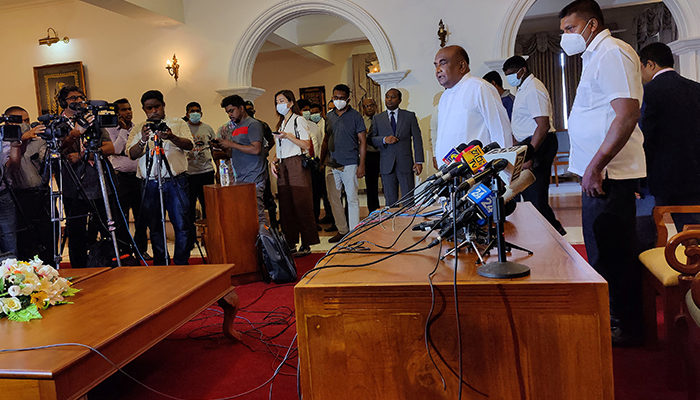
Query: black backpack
[[277, 263]]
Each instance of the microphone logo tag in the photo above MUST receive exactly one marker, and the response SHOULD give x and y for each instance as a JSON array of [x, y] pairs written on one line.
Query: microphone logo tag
[[475, 158], [451, 156], [483, 197]]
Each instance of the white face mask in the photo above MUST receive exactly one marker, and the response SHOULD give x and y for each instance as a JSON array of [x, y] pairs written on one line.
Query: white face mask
[[513, 79], [283, 108], [340, 104], [574, 43]]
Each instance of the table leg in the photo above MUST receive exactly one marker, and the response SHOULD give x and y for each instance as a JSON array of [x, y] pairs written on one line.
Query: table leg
[[230, 304]]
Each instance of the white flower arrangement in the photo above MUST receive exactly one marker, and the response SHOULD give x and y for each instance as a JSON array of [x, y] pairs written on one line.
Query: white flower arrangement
[[27, 287]]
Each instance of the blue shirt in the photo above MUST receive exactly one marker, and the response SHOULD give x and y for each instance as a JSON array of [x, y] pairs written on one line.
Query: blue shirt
[[344, 145]]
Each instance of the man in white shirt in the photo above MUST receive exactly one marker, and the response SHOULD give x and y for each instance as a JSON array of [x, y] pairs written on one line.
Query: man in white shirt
[[532, 124], [176, 140], [470, 108], [606, 151]]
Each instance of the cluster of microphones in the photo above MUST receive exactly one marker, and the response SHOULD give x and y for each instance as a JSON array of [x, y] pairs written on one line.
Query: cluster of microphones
[[480, 177]]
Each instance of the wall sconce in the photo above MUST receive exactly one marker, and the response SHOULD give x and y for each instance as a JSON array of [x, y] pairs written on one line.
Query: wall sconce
[[173, 67], [374, 67], [49, 40]]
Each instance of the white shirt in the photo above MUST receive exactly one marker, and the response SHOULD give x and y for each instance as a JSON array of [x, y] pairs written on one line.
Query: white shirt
[[177, 157], [316, 137], [611, 70], [669, 69], [121, 160], [531, 101], [285, 147], [396, 115], [471, 109]]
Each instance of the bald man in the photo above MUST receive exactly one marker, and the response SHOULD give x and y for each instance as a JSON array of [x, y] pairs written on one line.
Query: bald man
[[470, 108]]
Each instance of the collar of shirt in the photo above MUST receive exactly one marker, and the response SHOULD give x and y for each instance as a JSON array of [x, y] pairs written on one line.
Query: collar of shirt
[[595, 43], [506, 93], [662, 71], [119, 128], [461, 81], [525, 83], [396, 114]]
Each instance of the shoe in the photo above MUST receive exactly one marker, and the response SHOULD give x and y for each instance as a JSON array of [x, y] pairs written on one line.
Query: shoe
[[561, 231], [335, 239], [319, 227], [332, 228], [303, 251], [293, 249], [146, 256], [327, 220], [623, 339]]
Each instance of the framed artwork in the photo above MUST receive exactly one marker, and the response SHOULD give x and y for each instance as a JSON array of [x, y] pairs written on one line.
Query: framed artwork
[[314, 94], [49, 79]]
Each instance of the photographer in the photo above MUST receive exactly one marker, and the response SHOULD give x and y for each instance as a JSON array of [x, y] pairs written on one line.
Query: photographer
[[34, 227], [82, 198], [9, 160], [176, 141]]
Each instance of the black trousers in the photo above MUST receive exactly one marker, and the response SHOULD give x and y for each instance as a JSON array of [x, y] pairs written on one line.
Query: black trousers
[[538, 192], [35, 233], [318, 183], [196, 183], [372, 179], [610, 236]]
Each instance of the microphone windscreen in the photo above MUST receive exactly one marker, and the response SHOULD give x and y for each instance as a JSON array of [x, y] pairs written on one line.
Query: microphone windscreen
[[525, 179], [98, 103], [491, 146], [46, 118], [475, 142]]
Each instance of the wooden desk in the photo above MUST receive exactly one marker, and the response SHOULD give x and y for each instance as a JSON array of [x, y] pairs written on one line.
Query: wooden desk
[[80, 274], [546, 336], [122, 313], [232, 229]]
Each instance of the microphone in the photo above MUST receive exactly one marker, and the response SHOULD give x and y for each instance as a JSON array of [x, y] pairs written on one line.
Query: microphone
[[516, 156], [453, 153], [482, 203], [493, 167], [526, 179], [448, 165], [491, 146]]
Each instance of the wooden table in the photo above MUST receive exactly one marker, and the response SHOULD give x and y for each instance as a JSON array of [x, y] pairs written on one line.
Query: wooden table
[[546, 336], [121, 312]]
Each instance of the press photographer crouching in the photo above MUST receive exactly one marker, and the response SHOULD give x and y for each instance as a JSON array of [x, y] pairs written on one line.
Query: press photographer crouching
[[173, 136], [29, 184]]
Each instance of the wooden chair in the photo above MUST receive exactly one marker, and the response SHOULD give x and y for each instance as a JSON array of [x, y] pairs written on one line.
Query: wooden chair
[[686, 345], [661, 279], [562, 157]]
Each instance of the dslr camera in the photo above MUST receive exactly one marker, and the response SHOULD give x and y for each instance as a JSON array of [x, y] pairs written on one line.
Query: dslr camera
[[105, 117], [11, 133], [157, 125]]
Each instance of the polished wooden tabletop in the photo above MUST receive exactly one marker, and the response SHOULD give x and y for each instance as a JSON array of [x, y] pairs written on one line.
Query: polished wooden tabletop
[[76, 275], [112, 306], [554, 260]]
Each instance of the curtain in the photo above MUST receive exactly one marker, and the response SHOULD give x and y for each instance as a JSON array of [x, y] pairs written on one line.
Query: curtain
[[543, 51], [655, 24], [363, 87]]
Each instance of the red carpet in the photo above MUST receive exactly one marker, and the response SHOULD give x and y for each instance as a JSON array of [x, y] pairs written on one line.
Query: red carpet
[[207, 366]]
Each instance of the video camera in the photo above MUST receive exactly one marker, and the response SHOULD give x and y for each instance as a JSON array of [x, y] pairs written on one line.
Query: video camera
[[103, 112], [57, 127], [11, 133]]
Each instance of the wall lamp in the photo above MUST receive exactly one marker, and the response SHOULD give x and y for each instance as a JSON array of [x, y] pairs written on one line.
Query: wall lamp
[[173, 67], [49, 40]]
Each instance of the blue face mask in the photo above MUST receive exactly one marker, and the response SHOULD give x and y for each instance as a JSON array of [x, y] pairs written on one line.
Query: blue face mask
[[315, 117], [195, 117], [513, 79], [306, 114]]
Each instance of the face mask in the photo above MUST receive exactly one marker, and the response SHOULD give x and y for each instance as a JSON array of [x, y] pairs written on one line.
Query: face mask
[[283, 108], [513, 79], [574, 43], [340, 104], [315, 117], [306, 114], [195, 117]]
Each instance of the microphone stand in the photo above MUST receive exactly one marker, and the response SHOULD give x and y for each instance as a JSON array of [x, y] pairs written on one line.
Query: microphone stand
[[502, 269]]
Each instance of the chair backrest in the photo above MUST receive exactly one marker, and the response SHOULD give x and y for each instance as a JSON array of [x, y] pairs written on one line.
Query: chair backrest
[[658, 214], [563, 139]]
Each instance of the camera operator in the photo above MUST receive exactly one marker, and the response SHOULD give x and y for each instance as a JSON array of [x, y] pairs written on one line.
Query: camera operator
[[35, 230], [176, 141], [77, 206]]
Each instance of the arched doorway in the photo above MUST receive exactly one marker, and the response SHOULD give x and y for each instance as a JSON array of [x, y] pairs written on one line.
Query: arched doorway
[[245, 54], [686, 13]]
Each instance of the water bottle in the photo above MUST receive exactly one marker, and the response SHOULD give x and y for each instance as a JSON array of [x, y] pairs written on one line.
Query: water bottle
[[224, 173]]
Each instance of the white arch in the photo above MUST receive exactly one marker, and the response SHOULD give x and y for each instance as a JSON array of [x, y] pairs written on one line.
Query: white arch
[[686, 13], [243, 59]]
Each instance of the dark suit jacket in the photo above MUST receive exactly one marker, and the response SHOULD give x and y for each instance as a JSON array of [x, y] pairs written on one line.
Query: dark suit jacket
[[670, 123], [398, 154]]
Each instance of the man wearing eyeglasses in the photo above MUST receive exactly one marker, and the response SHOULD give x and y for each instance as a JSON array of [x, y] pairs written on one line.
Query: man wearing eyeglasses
[[81, 198], [343, 152]]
